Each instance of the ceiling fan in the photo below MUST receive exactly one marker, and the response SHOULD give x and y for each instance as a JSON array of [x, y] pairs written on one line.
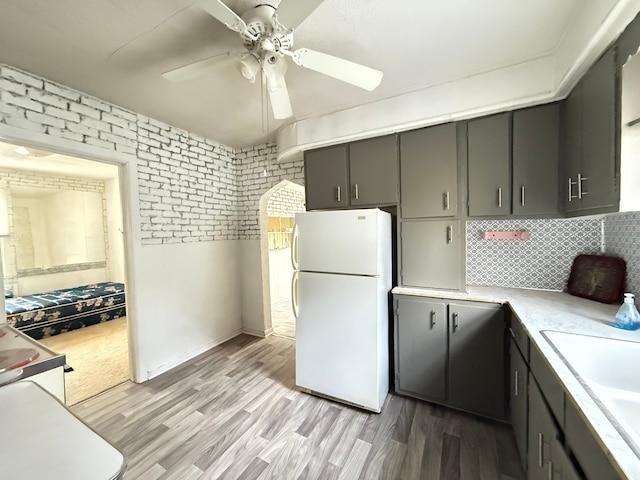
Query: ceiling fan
[[267, 35]]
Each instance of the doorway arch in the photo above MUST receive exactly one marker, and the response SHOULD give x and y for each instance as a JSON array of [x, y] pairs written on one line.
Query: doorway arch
[[266, 269]]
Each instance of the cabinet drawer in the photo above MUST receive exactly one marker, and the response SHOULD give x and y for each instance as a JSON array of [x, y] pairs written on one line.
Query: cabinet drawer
[[519, 335], [548, 382]]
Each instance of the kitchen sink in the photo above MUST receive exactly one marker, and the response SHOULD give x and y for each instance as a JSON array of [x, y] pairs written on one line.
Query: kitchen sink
[[608, 369]]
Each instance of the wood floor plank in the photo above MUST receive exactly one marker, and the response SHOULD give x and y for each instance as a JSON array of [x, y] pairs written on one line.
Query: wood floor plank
[[234, 413], [450, 469]]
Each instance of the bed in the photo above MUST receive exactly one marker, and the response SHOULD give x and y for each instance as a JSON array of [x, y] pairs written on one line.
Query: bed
[[50, 313]]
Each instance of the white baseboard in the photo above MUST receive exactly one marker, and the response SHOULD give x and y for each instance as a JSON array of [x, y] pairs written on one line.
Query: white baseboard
[[194, 353], [257, 333]]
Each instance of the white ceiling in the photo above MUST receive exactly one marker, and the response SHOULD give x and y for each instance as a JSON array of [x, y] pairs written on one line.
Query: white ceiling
[[117, 49]]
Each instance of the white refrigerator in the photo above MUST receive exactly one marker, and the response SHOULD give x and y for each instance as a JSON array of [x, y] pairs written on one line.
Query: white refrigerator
[[340, 297]]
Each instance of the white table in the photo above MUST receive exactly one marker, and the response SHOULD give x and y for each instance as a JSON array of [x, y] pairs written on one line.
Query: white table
[[40, 439]]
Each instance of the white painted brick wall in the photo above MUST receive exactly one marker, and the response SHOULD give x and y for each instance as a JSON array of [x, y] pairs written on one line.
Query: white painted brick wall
[[190, 189], [258, 171], [286, 202]]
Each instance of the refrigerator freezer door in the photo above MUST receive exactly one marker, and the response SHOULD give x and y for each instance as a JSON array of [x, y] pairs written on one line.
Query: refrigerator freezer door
[[342, 338], [352, 242]]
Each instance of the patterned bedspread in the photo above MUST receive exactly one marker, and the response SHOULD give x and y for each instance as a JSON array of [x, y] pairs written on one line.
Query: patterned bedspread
[[58, 311]]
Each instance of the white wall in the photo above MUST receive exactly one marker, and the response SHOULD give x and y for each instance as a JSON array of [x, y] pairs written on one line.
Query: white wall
[[180, 225], [115, 256], [187, 301]]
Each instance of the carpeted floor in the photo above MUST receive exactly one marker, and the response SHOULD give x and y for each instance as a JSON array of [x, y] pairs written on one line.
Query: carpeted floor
[[99, 356]]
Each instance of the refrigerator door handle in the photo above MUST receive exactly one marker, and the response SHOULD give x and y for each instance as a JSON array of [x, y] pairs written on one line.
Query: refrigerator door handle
[[294, 247], [294, 294]]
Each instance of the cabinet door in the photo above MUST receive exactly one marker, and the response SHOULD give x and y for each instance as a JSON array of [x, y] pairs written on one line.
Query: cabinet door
[[561, 466], [519, 374], [488, 158], [542, 435], [373, 165], [571, 129], [421, 347], [536, 144], [325, 176], [598, 138], [476, 358], [430, 254], [428, 172], [588, 452]]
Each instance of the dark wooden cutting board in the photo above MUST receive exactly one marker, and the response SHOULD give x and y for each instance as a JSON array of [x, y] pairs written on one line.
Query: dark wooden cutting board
[[597, 277]]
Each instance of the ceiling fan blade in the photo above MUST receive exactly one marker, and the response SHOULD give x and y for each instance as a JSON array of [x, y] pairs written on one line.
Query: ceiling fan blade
[[274, 72], [280, 102], [350, 72], [292, 13], [224, 14], [199, 68]]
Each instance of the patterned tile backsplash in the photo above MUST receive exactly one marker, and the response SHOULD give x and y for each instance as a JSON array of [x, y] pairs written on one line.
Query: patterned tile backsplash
[[543, 261], [622, 239]]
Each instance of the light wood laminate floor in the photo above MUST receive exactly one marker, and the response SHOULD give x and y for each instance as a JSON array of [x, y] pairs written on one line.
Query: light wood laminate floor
[[233, 413]]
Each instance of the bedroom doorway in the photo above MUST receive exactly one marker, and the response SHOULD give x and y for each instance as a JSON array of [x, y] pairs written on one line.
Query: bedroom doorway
[[282, 203], [66, 241]]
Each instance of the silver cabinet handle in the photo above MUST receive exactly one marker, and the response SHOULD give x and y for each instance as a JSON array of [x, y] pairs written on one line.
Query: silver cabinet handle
[[447, 201], [454, 317], [499, 197], [579, 182], [432, 320], [449, 234], [550, 472], [522, 195], [339, 196], [540, 442], [355, 192], [571, 195], [515, 384]]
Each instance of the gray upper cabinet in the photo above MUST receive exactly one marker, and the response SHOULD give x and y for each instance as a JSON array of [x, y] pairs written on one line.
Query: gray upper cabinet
[[360, 174], [588, 134], [571, 134], [421, 347], [431, 254], [326, 178], [428, 172], [536, 146], [488, 166], [476, 358], [373, 165]]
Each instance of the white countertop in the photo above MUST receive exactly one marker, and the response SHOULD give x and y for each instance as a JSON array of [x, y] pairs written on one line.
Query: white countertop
[[544, 310]]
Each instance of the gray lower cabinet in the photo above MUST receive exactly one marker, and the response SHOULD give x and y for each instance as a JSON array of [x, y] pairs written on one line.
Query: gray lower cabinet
[[428, 172], [326, 178], [536, 150], [543, 434], [518, 398], [421, 327], [582, 443], [430, 252], [547, 458], [450, 353], [476, 358], [488, 156]]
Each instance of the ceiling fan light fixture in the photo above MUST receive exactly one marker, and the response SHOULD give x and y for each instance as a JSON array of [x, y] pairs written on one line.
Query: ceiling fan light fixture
[[250, 66]]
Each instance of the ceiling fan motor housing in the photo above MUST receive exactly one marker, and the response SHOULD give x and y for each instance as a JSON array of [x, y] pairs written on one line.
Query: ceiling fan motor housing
[[260, 26]]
